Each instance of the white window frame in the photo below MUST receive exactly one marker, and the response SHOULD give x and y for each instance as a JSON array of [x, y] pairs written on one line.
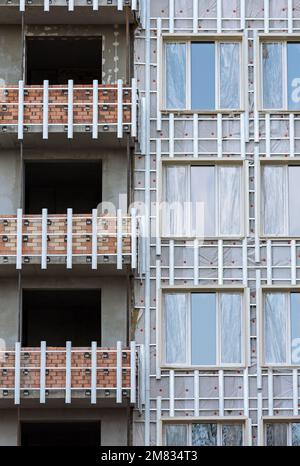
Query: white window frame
[[188, 340], [219, 421], [216, 164], [280, 420], [187, 40]]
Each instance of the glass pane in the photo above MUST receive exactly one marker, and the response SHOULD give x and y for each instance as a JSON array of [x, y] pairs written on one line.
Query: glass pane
[[293, 57], [230, 75], [296, 434], [175, 328], [175, 220], [175, 75], [203, 328], [231, 327], [203, 75], [274, 202], [204, 435], [275, 316], [295, 327], [176, 435], [276, 434], [203, 195], [294, 200], [272, 75], [230, 200], [232, 435]]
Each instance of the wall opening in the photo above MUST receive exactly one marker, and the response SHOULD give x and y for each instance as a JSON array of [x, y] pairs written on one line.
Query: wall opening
[[59, 59], [65, 434], [70, 315], [58, 186]]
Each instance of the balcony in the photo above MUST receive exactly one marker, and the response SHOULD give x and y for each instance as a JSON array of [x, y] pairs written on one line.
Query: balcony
[[69, 108], [71, 5], [79, 239], [91, 373]]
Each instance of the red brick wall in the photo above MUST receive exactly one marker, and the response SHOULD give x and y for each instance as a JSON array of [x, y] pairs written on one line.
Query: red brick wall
[[58, 102]]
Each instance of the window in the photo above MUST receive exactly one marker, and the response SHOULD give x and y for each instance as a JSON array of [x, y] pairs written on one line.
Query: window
[[280, 200], [203, 329], [203, 434], [282, 328], [281, 75], [278, 434], [202, 201], [202, 75]]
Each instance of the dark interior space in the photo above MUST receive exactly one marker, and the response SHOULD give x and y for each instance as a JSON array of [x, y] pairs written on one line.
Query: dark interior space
[[58, 186], [64, 434], [71, 315], [59, 59]]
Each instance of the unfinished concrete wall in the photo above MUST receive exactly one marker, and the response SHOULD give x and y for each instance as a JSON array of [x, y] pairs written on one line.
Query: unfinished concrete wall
[[9, 310], [10, 54], [10, 181], [9, 428]]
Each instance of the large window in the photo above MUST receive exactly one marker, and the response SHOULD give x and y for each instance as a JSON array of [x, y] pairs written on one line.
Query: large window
[[202, 434], [202, 201], [281, 434], [282, 328], [202, 75], [280, 63], [203, 329], [281, 200]]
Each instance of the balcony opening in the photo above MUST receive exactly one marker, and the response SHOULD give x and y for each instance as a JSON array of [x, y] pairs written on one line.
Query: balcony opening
[[62, 185], [70, 315], [59, 59], [64, 434]]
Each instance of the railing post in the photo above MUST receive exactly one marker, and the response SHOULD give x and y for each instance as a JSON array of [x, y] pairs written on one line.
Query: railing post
[[43, 372], [44, 239], [132, 372], [120, 5], [17, 372], [94, 239], [119, 239], [22, 5], [119, 373], [69, 238], [120, 109], [95, 5], [133, 238], [68, 372], [46, 5], [94, 373], [134, 5], [95, 107], [71, 5], [45, 109], [133, 108], [70, 108], [19, 239], [21, 110]]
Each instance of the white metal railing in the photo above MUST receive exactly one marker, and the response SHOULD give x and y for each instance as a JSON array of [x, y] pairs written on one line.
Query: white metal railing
[[70, 104], [71, 4], [27, 372], [36, 232]]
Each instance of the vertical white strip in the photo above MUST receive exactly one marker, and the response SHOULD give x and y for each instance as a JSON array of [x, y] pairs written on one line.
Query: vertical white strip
[[120, 5], [295, 392], [95, 107], [43, 373], [195, 140], [171, 262], [260, 440], [120, 108], [269, 262], [258, 329], [257, 202], [246, 392], [243, 15], [292, 135], [171, 135], [245, 262], [21, 110], [22, 5], [247, 200], [119, 239], [172, 393], [270, 392], [196, 262], [266, 16], [158, 75], [94, 373], [293, 262], [158, 422], [196, 393], [157, 320], [17, 372], [219, 134], [243, 134], [219, 16], [132, 372], [44, 239], [171, 16], [221, 393], [195, 16], [45, 108], [94, 239], [133, 239], [19, 239], [133, 108], [158, 195], [268, 135], [46, 5], [134, 5], [256, 84], [95, 5], [70, 108], [290, 16], [220, 262], [68, 372], [71, 5], [119, 373], [69, 238]]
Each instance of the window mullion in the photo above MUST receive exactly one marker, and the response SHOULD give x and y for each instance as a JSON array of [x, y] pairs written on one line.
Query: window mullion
[[288, 330], [189, 330], [217, 200], [285, 76], [188, 75], [217, 75], [218, 331], [286, 201]]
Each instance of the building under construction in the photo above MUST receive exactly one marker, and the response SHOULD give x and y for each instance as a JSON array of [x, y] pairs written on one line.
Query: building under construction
[[149, 222]]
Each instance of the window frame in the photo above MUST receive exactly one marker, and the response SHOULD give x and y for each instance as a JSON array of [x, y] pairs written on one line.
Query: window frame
[[217, 39], [279, 420], [245, 330], [219, 420], [273, 38], [265, 289], [205, 162]]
